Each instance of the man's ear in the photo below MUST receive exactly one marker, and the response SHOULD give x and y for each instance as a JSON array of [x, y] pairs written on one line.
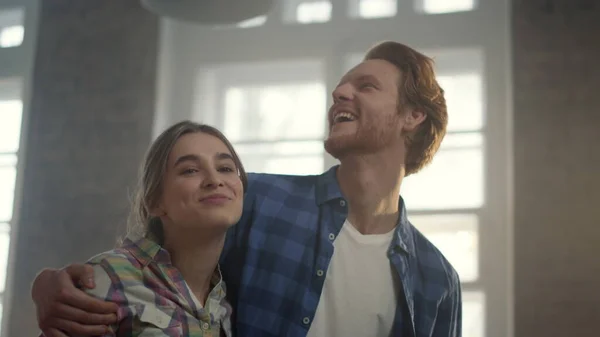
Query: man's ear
[[412, 119]]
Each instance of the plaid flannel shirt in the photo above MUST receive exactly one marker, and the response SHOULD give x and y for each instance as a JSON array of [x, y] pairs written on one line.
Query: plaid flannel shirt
[[153, 298], [276, 258]]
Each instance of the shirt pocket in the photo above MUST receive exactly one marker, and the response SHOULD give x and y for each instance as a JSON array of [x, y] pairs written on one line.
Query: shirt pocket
[[159, 321]]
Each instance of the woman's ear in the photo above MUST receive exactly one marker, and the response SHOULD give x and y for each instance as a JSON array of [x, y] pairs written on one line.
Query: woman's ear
[[157, 210]]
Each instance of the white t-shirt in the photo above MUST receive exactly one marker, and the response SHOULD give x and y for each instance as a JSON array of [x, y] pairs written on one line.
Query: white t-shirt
[[359, 294]]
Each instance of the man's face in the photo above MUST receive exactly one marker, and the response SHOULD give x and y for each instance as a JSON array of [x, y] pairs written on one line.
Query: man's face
[[364, 117]]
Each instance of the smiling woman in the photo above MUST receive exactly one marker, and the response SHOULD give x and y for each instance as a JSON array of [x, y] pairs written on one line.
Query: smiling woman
[[165, 277]]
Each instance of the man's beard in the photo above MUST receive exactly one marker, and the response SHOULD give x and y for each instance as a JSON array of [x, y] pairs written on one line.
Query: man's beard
[[368, 138]]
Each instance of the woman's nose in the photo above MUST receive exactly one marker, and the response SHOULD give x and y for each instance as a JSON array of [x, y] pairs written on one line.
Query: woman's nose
[[212, 179]]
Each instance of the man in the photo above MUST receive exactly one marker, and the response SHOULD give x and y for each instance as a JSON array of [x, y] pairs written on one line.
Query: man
[[334, 254]]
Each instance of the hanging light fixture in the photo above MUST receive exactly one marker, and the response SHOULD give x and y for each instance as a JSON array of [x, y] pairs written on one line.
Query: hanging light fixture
[[209, 12]]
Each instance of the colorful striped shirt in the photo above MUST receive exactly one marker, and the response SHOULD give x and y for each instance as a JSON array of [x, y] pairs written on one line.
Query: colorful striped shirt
[[153, 297]]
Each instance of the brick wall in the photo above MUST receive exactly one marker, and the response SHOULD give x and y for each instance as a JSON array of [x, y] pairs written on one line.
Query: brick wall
[[90, 120], [556, 50]]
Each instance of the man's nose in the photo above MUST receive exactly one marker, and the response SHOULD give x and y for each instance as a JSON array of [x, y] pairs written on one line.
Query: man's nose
[[343, 92]]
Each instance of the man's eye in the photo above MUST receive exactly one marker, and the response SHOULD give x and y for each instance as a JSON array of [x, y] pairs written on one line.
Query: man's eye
[[367, 85]]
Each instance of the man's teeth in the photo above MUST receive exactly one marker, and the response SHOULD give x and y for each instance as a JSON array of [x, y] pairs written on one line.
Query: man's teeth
[[343, 117]]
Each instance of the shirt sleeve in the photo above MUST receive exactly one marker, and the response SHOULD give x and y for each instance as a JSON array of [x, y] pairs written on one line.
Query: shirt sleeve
[[119, 281], [103, 283], [105, 291], [449, 321]]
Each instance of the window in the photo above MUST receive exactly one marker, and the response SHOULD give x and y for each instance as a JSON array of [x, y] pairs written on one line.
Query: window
[[460, 157], [444, 6], [473, 314], [11, 36], [316, 11], [11, 28], [8, 173], [273, 113], [372, 9], [277, 128], [10, 132], [4, 244], [301, 158], [456, 236]]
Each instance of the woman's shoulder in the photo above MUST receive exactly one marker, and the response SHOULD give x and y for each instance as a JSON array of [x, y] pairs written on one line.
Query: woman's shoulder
[[114, 272], [120, 256], [118, 263]]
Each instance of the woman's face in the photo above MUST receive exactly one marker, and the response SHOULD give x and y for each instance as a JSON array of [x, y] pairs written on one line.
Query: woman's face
[[201, 187]]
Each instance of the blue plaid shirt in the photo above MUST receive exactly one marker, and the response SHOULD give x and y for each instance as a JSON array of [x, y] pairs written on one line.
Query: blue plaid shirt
[[285, 235]]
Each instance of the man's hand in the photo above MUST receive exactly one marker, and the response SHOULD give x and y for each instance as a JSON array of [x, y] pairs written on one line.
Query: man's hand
[[63, 309]]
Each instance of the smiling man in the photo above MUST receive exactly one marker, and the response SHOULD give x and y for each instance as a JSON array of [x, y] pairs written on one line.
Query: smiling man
[[333, 254]]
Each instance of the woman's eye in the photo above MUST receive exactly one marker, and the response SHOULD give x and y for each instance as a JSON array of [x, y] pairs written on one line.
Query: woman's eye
[[226, 169], [189, 171]]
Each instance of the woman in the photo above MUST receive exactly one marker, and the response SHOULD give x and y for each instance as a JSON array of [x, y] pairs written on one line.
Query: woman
[[165, 275]]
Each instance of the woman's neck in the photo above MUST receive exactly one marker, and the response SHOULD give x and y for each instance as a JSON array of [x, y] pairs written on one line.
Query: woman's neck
[[196, 256]]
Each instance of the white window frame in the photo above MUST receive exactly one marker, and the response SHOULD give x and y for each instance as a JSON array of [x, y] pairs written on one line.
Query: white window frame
[[10, 89], [185, 47]]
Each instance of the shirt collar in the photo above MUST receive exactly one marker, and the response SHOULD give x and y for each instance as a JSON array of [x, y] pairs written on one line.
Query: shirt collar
[[328, 189], [145, 250]]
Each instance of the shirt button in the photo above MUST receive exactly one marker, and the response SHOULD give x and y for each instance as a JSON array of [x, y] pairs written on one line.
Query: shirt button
[[319, 273], [306, 320], [331, 236], [343, 203], [205, 326]]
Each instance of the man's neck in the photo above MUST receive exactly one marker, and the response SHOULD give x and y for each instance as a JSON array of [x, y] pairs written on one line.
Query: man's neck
[[371, 184], [196, 256]]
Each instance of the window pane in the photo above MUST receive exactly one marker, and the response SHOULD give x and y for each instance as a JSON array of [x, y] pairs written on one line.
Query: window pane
[[288, 111], [454, 179], [10, 128], [473, 313], [301, 158], [8, 160], [4, 245], [462, 140], [456, 236], [7, 190], [11, 27], [369, 9], [351, 61], [11, 36], [444, 6], [464, 99], [313, 11]]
